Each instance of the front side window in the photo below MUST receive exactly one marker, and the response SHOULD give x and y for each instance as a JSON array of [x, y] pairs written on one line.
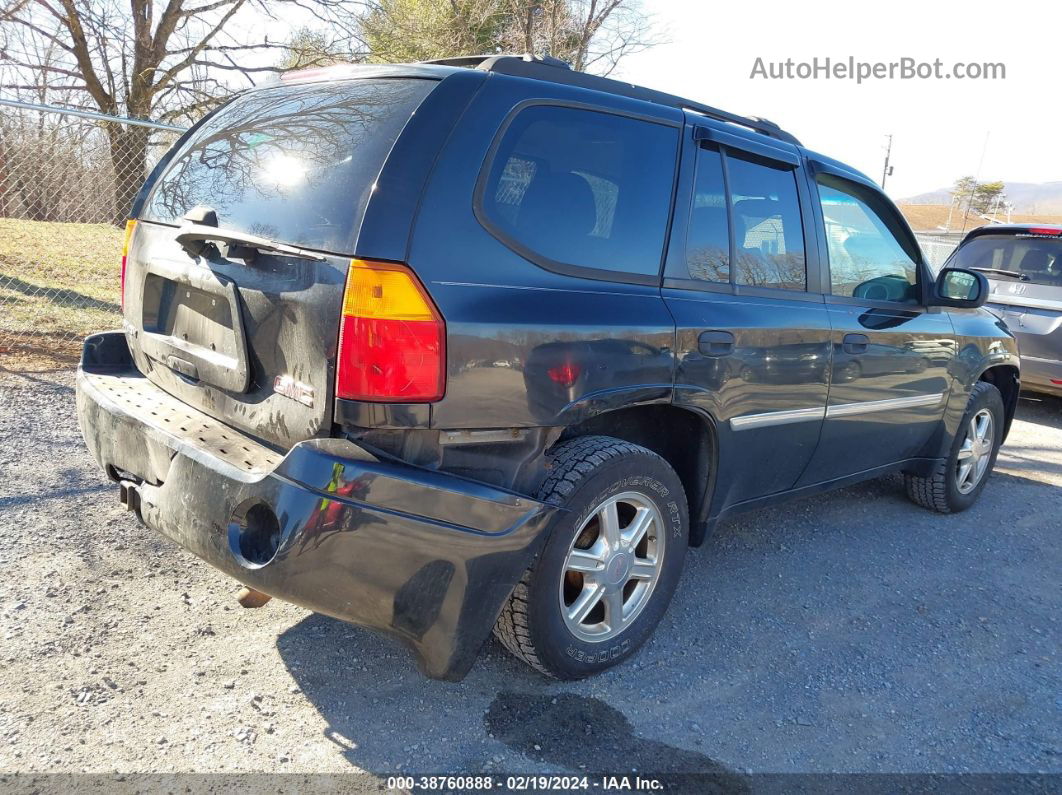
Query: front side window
[[583, 188], [866, 258], [768, 231]]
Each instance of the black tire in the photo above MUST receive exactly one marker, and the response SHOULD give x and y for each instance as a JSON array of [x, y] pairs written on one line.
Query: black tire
[[585, 472], [940, 491]]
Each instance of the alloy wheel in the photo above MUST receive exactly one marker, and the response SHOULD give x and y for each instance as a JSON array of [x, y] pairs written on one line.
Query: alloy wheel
[[612, 567], [975, 452]]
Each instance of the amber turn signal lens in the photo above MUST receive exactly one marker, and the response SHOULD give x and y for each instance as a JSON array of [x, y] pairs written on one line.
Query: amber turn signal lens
[[391, 337], [130, 227]]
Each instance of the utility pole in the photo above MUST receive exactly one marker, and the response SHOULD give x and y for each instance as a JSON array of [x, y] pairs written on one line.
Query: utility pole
[[887, 172], [1000, 200]]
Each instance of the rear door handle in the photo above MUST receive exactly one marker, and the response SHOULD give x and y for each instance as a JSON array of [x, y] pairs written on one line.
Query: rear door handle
[[855, 343], [715, 343]]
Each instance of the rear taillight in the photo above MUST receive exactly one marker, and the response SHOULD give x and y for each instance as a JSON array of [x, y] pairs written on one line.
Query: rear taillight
[[130, 227], [391, 337], [564, 374]]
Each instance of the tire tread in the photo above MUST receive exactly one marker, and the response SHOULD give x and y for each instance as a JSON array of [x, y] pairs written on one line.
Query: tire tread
[[931, 491], [570, 463]]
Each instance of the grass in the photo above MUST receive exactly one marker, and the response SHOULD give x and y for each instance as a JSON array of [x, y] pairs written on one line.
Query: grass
[[59, 282], [928, 217]]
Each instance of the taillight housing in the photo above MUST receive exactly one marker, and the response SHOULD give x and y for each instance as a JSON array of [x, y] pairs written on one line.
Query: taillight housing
[[565, 374], [130, 227], [392, 339]]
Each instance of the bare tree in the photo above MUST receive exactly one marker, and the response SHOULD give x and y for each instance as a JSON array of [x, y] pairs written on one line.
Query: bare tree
[[174, 60], [591, 35], [172, 63]]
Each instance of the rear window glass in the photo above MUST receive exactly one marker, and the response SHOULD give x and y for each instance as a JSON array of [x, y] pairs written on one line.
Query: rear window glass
[[1013, 257], [292, 163], [584, 188]]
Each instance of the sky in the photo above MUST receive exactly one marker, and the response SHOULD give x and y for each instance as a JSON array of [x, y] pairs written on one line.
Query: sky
[[939, 126]]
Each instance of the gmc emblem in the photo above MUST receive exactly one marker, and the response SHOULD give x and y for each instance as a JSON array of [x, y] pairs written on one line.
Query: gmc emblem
[[288, 387]]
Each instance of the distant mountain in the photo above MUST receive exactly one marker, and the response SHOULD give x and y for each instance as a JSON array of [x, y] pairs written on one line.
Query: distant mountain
[[1034, 198], [941, 196]]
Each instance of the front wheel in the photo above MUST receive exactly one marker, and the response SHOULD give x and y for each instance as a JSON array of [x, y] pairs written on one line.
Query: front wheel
[[957, 482], [610, 564]]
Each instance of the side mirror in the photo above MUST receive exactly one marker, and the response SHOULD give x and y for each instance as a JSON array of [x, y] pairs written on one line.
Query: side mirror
[[960, 288]]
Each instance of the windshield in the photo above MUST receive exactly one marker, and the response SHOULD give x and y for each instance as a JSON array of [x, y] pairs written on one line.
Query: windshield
[[1032, 259], [293, 163]]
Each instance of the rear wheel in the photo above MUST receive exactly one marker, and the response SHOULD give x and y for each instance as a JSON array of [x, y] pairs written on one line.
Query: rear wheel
[[610, 564], [957, 482], [849, 372]]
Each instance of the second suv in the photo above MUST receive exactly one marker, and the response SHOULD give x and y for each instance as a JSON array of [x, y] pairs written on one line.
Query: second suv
[[488, 344], [1023, 263]]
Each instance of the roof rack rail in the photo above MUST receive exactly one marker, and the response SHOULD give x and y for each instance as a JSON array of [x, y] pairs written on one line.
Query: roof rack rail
[[555, 70], [486, 62]]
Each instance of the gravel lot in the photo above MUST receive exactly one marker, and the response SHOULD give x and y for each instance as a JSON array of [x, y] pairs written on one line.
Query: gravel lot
[[847, 632]]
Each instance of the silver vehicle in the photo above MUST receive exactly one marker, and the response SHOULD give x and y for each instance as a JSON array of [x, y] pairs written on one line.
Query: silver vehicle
[[1023, 263]]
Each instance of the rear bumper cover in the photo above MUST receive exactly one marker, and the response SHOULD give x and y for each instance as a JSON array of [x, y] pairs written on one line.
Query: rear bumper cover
[[419, 554]]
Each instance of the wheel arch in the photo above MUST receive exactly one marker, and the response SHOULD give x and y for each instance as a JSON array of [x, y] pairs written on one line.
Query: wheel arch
[[686, 439], [1007, 379]]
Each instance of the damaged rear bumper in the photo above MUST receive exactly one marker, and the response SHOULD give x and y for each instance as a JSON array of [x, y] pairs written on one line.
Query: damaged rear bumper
[[419, 554]]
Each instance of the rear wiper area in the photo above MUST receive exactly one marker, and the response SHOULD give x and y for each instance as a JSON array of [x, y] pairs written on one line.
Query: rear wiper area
[[200, 226], [1012, 274]]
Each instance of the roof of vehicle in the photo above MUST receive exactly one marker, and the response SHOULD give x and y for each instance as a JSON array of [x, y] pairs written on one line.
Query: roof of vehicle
[[351, 70], [548, 69], [1047, 230]]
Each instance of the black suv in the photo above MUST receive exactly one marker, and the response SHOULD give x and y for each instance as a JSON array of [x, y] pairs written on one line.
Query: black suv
[[488, 343]]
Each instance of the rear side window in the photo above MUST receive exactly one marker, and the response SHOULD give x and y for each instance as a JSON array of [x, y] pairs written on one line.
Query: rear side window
[[1013, 258], [708, 237], [768, 231], [583, 188], [293, 163]]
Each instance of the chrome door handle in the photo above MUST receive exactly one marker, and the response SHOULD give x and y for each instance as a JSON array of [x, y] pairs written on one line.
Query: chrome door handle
[[715, 343], [855, 343]]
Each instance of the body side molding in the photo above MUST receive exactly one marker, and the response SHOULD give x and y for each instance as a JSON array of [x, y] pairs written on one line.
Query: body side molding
[[770, 418]]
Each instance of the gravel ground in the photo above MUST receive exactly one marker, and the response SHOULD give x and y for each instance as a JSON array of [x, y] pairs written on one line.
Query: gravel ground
[[847, 632]]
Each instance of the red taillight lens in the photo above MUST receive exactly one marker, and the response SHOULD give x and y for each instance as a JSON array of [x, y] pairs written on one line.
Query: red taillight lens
[[130, 227], [392, 338], [564, 374]]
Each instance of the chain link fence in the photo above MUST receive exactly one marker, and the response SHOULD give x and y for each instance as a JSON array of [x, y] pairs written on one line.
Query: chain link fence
[[67, 180], [938, 247]]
